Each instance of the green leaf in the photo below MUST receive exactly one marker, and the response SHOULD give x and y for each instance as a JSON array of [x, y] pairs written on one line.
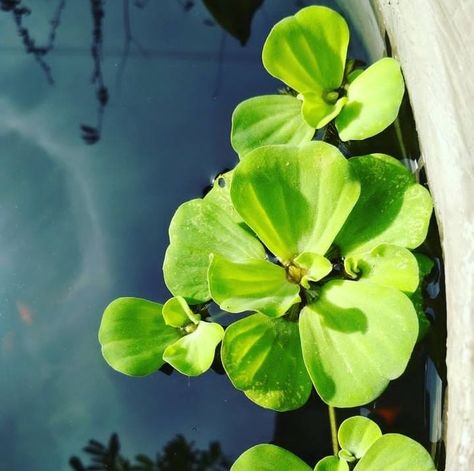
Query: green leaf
[[346, 455], [295, 199], [220, 196], [193, 354], [177, 313], [133, 336], [358, 434], [308, 51], [262, 357], [317, 111], [425, 265], [268, 458], [386, 265], [235, 16], [394, 452], [314, 267], [373, 101], [392, 208], [356, 337], [265, 120], [199, 228], [331, 463], [252, 285]]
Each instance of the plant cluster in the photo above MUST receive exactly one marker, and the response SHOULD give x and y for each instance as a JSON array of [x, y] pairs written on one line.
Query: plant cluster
[[315, 247]]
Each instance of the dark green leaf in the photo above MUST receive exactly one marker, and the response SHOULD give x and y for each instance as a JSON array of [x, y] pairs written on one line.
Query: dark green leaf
[[392, 208]]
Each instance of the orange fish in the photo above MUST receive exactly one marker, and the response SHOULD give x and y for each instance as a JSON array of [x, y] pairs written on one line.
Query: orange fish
[[25, 313]]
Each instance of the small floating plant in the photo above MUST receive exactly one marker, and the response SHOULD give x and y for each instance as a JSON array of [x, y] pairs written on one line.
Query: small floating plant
[[315, 249]]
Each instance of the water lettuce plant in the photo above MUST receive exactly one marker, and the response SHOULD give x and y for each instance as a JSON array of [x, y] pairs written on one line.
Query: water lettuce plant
[[363, 448], [313, 250], [317, 246], [308, 52], [138, 336]]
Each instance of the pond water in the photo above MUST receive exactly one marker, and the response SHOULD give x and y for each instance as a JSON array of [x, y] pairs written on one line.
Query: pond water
[[83, 224]]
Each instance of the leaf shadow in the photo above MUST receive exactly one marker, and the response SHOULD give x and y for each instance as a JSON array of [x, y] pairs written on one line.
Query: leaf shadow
[[347, 320]]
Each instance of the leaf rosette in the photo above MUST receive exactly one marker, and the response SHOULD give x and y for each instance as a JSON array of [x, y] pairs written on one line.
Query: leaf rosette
[[138, 336], [319, 248], [362, 444], [308, 52]]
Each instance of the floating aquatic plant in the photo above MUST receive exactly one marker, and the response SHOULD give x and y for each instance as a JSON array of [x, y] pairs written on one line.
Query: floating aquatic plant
[[318, 247], [138, 336], [363, 448], [308, 52], [313, 249]]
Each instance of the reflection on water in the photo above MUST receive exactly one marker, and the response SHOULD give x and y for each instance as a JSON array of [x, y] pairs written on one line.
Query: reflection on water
[[81, 225], [177, 455]]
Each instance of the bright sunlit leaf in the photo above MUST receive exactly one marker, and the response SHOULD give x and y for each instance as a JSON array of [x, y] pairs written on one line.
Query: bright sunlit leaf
[[193, 353], [394, 452], [357, 435], [314, 267], [356, 337], [296, 199], [220, 196], [318, 112], [373, 100], [262, 357], [199, 228], [133, 336], [268, 458], [265, 120], [307, 51], [177, 313], [251, 285], [386, 265], [331, 463]]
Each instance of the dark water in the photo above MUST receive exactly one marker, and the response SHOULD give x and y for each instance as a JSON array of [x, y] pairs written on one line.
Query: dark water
[[82, 224]]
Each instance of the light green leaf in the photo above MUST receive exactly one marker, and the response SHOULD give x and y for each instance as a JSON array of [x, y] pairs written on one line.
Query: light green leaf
[[394, 452], [193, 354], [199, 228], [373, 101], [220, 196], [308, 51], [319, 111], [251, 285], [356, 337], [357, 435], [262, 357], [268, 458], [331, 463], [177, 313], [425, 265], [296, 199], [392, 208], [386, 265], [313, 267], [265, 120], [133, 336], [346, 455]]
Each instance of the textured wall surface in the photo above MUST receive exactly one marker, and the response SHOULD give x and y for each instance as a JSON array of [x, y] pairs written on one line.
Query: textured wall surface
[[434, 40]]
